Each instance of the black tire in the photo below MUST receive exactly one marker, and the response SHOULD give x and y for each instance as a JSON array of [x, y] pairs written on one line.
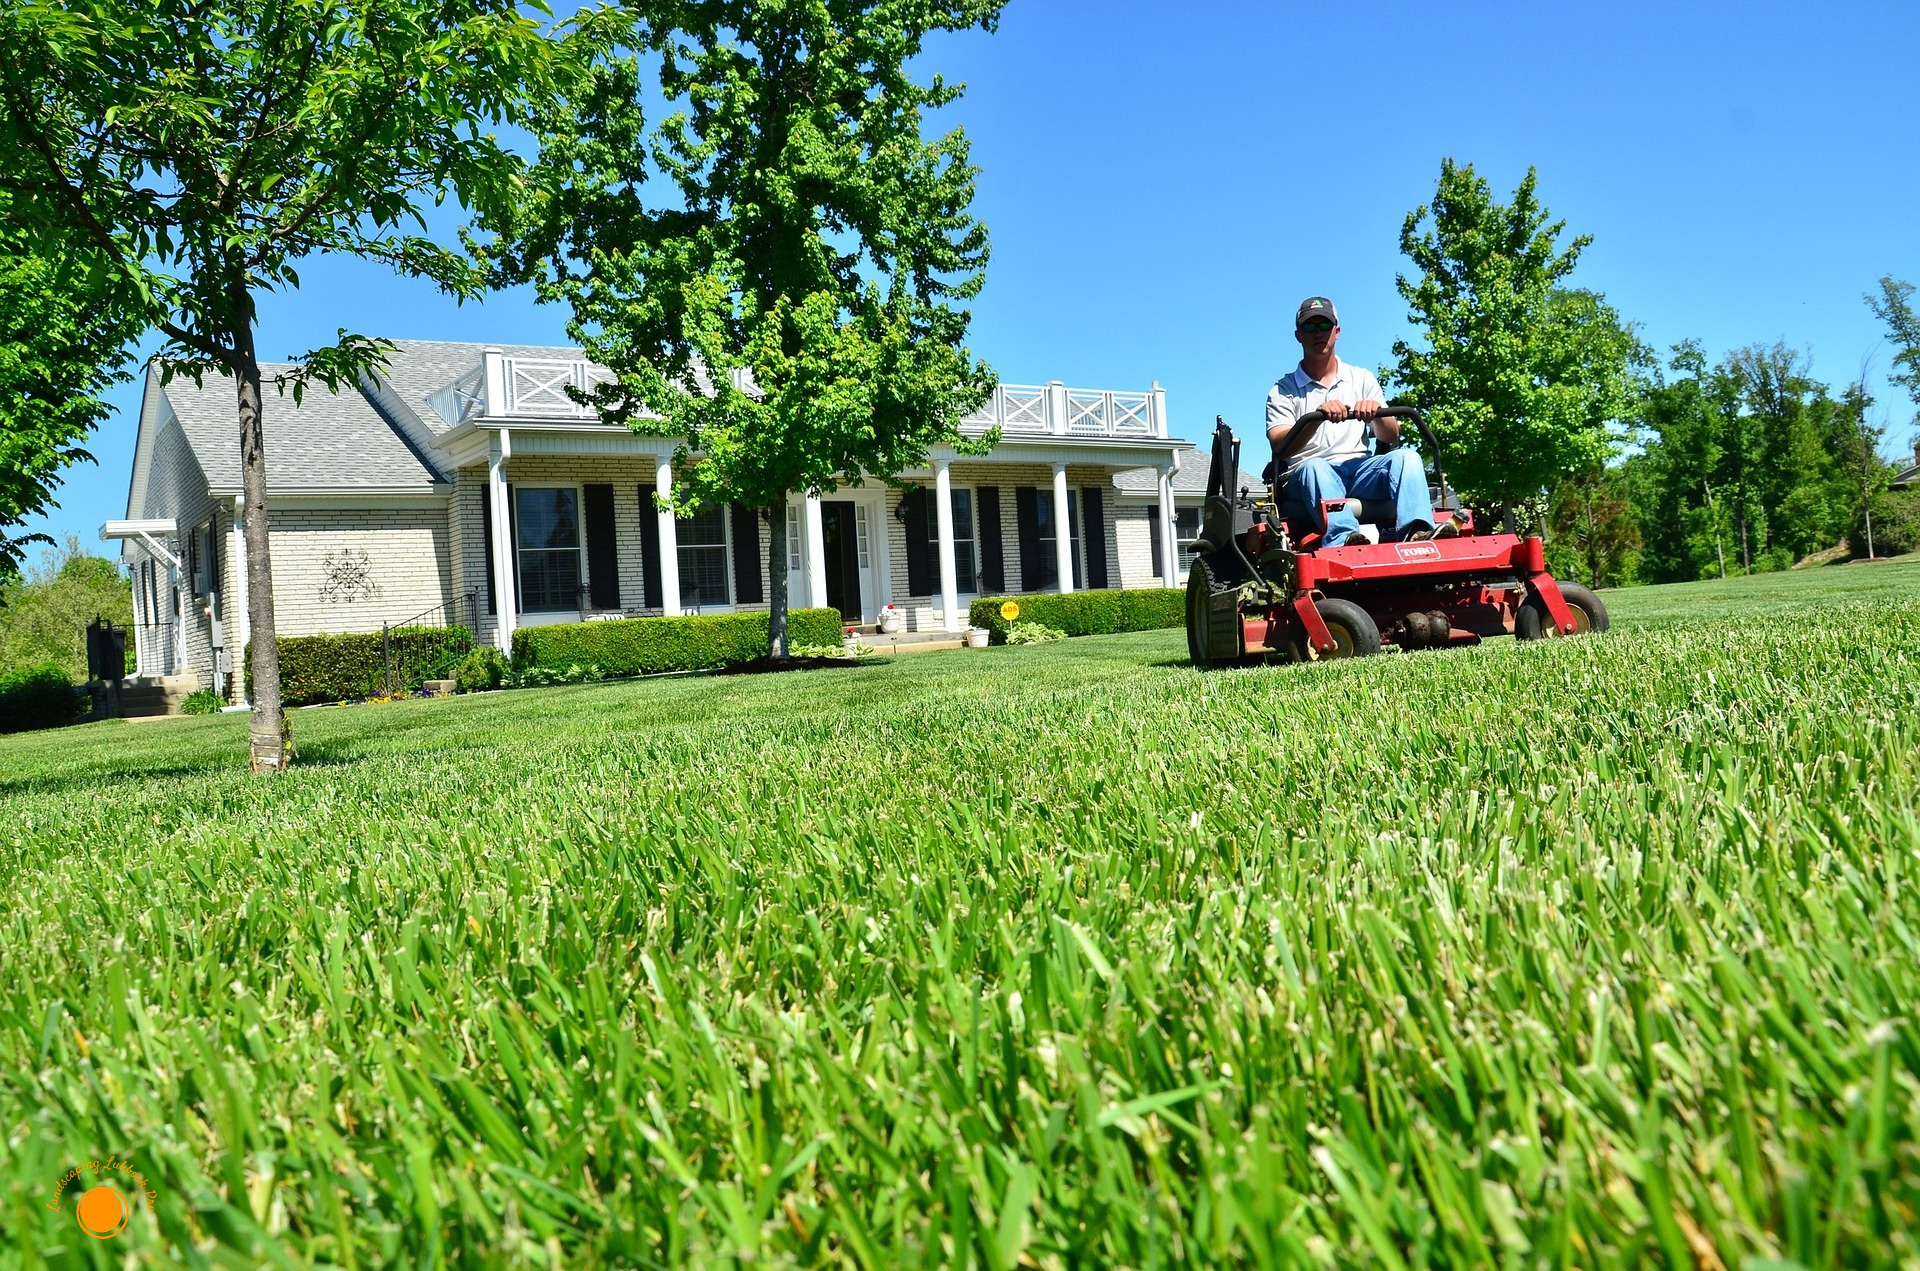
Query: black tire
[[1352, 628], [1204, 579], [1532, 622]]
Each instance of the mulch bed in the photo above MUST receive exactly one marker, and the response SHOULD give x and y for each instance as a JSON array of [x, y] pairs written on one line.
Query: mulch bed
[[761, 666]]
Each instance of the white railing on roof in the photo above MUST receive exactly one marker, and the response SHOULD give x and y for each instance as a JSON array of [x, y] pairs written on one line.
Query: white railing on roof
[[1054, 410], [536, 387]]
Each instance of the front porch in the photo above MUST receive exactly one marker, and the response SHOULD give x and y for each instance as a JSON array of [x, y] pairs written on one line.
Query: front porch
[[557, 511]]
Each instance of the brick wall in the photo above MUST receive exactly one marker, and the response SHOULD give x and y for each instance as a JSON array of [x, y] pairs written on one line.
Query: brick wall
[[353, 566]]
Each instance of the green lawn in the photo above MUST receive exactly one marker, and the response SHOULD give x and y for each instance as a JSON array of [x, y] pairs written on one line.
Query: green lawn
[[1598, 952]]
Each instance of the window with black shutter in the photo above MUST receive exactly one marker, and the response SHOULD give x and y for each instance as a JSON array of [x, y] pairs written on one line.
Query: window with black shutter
[[603, 554], [920, 581], [650, 548], [993, 563], [746, 556], [486, 539], [1026, 514], [1096, 535]]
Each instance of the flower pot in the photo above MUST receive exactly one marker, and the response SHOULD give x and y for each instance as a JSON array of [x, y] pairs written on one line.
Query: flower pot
[[977, 637], [893, 624]]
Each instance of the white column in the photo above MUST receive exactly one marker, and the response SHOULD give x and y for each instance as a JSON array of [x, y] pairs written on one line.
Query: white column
[[240, 630], [139, 627], [1056, 407], [1169, 548], [1159, 410], [506, 604], [669, 562], [1062, 528], [943, 522], [814, 531]]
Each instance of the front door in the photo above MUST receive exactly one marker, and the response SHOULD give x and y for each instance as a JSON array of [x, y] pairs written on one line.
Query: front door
[[839, 532]]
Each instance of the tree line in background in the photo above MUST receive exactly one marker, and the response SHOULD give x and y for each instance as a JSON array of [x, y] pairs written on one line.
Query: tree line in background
[[1550, 407]]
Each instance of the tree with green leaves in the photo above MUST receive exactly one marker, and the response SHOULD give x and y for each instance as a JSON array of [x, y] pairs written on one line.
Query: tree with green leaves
[[44, 613], [785, 287], [1524, 379], [66, 325], [202, 148], [1894, 307]]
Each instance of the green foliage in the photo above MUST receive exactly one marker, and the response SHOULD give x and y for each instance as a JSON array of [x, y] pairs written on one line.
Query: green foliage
[[202, 701], [65, 329], [789, 287], [483, 669], [38, 697], [1896, 524], [1086, 612], [1033, 633], [201, 149], [1894, 307], [1049, 958], [44, 615], [1592, 534], [1522, 379], [650, 646], [347, 667], [1751, 462]]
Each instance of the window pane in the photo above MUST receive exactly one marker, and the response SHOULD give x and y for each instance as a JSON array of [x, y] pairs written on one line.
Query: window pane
[[549, 581], [548, 518], [705, 528], [703, 574]]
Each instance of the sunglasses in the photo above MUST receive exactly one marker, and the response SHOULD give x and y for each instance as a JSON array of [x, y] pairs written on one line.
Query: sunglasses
[[1317, 326]]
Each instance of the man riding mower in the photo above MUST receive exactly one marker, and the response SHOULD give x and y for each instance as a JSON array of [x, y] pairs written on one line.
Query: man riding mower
[[1267, 580]]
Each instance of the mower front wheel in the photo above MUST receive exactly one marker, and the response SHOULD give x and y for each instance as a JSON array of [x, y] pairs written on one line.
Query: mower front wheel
[[1213, 630], [1354, 632], [1534, 623]]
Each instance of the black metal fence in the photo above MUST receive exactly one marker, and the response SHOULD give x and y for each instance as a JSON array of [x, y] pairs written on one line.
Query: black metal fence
[[462, 611]]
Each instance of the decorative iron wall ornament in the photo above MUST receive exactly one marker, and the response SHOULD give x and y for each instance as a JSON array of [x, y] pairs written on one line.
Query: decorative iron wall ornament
[[346, 577]]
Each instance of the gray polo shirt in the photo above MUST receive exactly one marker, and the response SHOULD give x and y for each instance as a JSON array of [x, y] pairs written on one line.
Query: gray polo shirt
[[1298, 393]]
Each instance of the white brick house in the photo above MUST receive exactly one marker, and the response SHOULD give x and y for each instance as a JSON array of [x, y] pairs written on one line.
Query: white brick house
[[464, 474]]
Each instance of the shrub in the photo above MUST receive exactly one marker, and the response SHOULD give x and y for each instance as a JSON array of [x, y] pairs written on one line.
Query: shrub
[[648, 646], [483, 669], [1087, 612], [1033, 633], [38, 697], [202, 701], [1896, 524], [345, 668]]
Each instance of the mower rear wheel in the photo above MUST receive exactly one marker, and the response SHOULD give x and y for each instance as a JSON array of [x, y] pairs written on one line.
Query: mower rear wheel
[[1354, 632], [1534, 623], [1204, 579]]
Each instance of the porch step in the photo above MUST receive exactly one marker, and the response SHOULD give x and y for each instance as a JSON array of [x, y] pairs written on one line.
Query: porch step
[[148, 697]]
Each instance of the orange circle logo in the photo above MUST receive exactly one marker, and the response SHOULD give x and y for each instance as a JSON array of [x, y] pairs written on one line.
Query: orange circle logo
[[102, 1212]]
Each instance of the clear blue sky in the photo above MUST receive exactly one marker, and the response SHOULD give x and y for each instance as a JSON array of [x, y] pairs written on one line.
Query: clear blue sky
[[1163, 183]]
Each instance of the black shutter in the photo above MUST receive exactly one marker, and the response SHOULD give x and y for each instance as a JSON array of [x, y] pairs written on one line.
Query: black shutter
[[486, 538], [213, 557], [1153, 536], [513, 548], [746, 556], [603, 557], [1094, 534], [1026, 512], [193, 561], [650, 548], [993, 554], [919, 566]]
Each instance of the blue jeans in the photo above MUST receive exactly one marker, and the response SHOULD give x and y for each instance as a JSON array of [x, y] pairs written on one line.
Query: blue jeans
[[1397, 476]]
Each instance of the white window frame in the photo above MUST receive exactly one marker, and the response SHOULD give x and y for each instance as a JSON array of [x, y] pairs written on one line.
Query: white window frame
[[530, 618], [682, 547], [1048, 551]]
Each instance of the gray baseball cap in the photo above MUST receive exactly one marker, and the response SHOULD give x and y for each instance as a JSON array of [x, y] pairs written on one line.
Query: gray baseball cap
[[1315, 307]]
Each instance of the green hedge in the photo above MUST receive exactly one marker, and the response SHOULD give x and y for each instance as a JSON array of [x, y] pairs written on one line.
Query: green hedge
[[38, 697], [345, 668], [1087, 612], [648, 646]]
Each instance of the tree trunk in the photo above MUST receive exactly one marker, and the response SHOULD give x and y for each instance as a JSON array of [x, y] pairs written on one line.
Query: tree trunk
[[268, 736], [777, 579]]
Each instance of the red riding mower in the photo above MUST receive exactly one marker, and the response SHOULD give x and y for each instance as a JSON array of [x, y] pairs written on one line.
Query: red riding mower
[[1262, 586]]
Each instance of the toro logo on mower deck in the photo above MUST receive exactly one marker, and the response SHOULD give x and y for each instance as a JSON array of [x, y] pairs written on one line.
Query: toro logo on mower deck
[[1417, 551]]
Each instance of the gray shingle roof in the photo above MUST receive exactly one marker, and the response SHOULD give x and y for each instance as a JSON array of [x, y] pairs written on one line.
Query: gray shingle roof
[[1191, 480], [331, 441]]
